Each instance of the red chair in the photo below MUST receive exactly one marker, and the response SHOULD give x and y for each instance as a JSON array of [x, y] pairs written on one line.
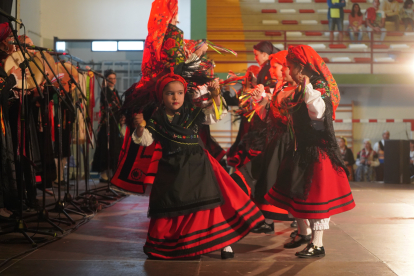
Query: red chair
[[362, 60], [307, 11], [337, 46], [269, 11], [313, 33], [289, 22]]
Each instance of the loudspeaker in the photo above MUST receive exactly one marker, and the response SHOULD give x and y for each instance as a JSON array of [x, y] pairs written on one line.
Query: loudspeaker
[[397, 161]]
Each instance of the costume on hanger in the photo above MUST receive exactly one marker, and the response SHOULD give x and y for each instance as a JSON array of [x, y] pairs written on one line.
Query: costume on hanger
[[165, 47]]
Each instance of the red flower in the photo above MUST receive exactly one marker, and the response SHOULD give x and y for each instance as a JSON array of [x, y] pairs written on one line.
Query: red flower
[[169, 43]]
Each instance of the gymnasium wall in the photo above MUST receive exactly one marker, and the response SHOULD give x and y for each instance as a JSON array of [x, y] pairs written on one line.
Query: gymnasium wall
[[92, 19]]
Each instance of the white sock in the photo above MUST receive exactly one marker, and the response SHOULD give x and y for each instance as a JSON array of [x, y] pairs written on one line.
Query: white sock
[[268, 221], [227, 249], [303, 227], [317, 238]]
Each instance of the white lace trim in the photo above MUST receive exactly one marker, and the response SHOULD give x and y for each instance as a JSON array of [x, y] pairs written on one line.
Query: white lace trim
[[145, 140], [319, 224]]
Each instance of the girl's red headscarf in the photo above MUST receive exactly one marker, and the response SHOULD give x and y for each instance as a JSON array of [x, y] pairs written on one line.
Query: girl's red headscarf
[[279, 57], [162, 11], [307, 56], [166, 79]]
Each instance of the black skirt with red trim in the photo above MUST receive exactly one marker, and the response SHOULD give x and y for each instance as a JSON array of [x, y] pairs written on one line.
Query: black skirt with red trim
[[257, 176], [208, 230], [330, 193]]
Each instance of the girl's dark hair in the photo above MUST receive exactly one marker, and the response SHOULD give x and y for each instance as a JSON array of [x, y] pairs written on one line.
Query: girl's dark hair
[[359, 10], [406, 3], [306, 70]]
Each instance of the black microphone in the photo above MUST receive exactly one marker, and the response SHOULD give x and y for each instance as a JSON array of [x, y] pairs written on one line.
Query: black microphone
[[10, 18], [33, 47]]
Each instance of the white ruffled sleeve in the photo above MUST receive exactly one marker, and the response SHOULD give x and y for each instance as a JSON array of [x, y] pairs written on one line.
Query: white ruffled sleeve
[[212, 116], [315, 103], [145, 140]]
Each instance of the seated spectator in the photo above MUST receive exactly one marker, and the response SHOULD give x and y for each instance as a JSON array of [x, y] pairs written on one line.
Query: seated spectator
[[336, 17], [375, 19], [379, 148], [391, 9], [412, 159], [367, 160], [355, 23], [407, 14], [347, 156]]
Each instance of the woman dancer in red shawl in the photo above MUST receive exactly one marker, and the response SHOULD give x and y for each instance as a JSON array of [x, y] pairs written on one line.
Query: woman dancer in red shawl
[[312, 180], [195, 206], [164, 48], [251, 137], [258, 176]]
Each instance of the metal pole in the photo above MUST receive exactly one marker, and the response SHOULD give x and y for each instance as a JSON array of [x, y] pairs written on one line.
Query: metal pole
[[17, 15]]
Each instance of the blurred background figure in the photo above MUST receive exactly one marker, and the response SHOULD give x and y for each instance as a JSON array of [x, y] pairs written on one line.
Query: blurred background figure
[[347, 156], [367, 160]]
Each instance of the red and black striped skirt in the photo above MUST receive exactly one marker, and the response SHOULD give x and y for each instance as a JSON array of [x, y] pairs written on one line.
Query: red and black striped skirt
[[205, 231], [329, 194]]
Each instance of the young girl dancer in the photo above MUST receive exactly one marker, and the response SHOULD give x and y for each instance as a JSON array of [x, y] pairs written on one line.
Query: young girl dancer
[[312, 182], [195, 206], [258, 176]]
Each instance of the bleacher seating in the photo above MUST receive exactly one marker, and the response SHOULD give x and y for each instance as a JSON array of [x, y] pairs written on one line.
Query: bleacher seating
[[306, 21]]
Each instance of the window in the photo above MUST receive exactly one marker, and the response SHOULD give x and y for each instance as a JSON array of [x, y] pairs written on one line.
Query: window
[[130, 45], [104, 46], [60, 46]]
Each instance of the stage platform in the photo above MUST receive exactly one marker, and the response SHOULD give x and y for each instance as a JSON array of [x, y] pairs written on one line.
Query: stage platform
[[376, 238]]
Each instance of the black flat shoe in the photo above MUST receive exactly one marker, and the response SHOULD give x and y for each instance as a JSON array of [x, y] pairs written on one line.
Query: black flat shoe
[[303, 240], [294, 224], [103, 180], [227, 255], [265, 228], [311, 251], [293, 234]]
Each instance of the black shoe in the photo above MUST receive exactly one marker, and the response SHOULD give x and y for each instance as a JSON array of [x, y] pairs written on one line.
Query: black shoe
[[294, 224], [311, 251], [265, 228], [303, 240], [103, 180], [227, 255], [293, 234]]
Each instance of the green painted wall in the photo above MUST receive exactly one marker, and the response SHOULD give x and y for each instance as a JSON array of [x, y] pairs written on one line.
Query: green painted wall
[[374, 79], [198, 19]]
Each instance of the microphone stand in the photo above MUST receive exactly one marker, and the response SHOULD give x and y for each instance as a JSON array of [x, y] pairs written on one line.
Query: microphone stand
[[60, 205], [20, 226], [84, 97]]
